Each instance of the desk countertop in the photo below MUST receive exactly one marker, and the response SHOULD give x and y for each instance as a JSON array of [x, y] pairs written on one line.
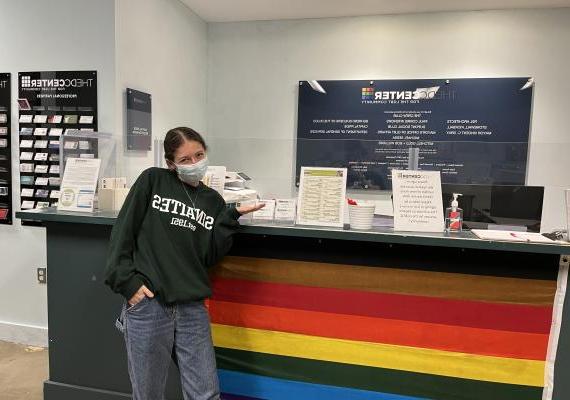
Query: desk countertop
[[382, 235]]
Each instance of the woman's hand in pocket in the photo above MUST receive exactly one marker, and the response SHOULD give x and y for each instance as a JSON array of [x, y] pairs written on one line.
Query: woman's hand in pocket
[[140, 294]]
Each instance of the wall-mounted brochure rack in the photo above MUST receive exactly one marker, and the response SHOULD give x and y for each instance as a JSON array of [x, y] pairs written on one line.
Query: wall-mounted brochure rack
[[50, 104], [5, 151]]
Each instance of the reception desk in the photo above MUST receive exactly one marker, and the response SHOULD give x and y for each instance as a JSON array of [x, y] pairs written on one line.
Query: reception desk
[[302, 312]]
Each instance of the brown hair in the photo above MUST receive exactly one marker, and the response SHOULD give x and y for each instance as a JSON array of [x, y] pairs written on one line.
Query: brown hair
[[176, 137]]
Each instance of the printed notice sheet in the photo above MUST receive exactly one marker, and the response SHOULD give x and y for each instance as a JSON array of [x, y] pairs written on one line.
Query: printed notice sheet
[[322, 193], [418, 206], [79, 183]]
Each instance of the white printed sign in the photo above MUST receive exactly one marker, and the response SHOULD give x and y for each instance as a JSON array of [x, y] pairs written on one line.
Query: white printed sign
[[418, 206], [77, 191]]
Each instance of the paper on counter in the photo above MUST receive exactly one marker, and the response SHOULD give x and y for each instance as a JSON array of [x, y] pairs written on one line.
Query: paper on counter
[[511, 236]]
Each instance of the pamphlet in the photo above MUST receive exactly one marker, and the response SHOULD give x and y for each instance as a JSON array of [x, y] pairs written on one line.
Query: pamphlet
[[266, 213], [285, 210], [215, 178], [79, 183]]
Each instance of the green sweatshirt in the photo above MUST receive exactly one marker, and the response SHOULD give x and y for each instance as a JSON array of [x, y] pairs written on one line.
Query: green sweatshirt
[[166, 237]]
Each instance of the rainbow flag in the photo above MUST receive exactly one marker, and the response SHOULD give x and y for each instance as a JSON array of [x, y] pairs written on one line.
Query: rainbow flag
[[286, 329]]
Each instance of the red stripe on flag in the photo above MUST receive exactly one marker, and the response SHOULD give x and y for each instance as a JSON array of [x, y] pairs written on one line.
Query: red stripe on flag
[[475, 314]]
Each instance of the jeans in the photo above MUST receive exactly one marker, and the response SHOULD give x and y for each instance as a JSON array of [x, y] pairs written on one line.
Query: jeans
[[156, 333]]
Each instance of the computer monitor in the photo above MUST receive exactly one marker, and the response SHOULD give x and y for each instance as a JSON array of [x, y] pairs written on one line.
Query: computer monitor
[[496, 206]]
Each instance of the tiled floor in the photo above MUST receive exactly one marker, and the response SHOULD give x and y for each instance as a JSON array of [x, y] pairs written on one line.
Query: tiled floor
[[23, 370]]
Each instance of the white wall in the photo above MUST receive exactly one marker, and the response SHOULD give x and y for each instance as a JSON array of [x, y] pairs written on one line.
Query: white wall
[[45, 36], [254, 68], [157, 46], [161, 50], [236, 82]]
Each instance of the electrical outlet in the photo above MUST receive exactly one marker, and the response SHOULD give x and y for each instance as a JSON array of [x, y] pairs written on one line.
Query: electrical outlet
[[42, 275]]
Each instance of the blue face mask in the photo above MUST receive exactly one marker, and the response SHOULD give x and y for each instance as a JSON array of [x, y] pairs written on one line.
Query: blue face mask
[[192, 174]]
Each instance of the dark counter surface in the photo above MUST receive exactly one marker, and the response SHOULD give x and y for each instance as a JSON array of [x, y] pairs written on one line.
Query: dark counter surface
[[464, 239]]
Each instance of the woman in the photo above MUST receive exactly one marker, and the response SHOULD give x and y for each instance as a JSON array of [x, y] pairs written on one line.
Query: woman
[[170, 230]]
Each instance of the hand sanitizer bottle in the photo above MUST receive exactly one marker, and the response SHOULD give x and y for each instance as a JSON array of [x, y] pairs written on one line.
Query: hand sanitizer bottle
[[454, 216]]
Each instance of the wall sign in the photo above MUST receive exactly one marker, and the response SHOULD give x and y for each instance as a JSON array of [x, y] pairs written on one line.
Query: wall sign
[[5, 153], [51, 104], [139, 120], [474, 131]]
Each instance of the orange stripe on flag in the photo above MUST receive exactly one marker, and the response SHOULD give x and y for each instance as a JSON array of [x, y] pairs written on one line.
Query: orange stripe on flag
[[490, 342]]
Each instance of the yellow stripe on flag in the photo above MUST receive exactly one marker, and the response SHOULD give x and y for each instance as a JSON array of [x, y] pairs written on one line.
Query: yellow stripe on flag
[[428, 361]]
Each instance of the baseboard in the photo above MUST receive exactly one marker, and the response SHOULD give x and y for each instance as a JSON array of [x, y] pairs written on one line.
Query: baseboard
[[61, 391], [24, 334]]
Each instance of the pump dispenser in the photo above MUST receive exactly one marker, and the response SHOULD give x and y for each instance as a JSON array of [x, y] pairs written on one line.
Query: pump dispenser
[[454, 215]]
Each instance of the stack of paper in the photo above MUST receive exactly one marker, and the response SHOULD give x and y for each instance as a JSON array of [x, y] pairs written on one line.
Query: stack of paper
[[511, 236]]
